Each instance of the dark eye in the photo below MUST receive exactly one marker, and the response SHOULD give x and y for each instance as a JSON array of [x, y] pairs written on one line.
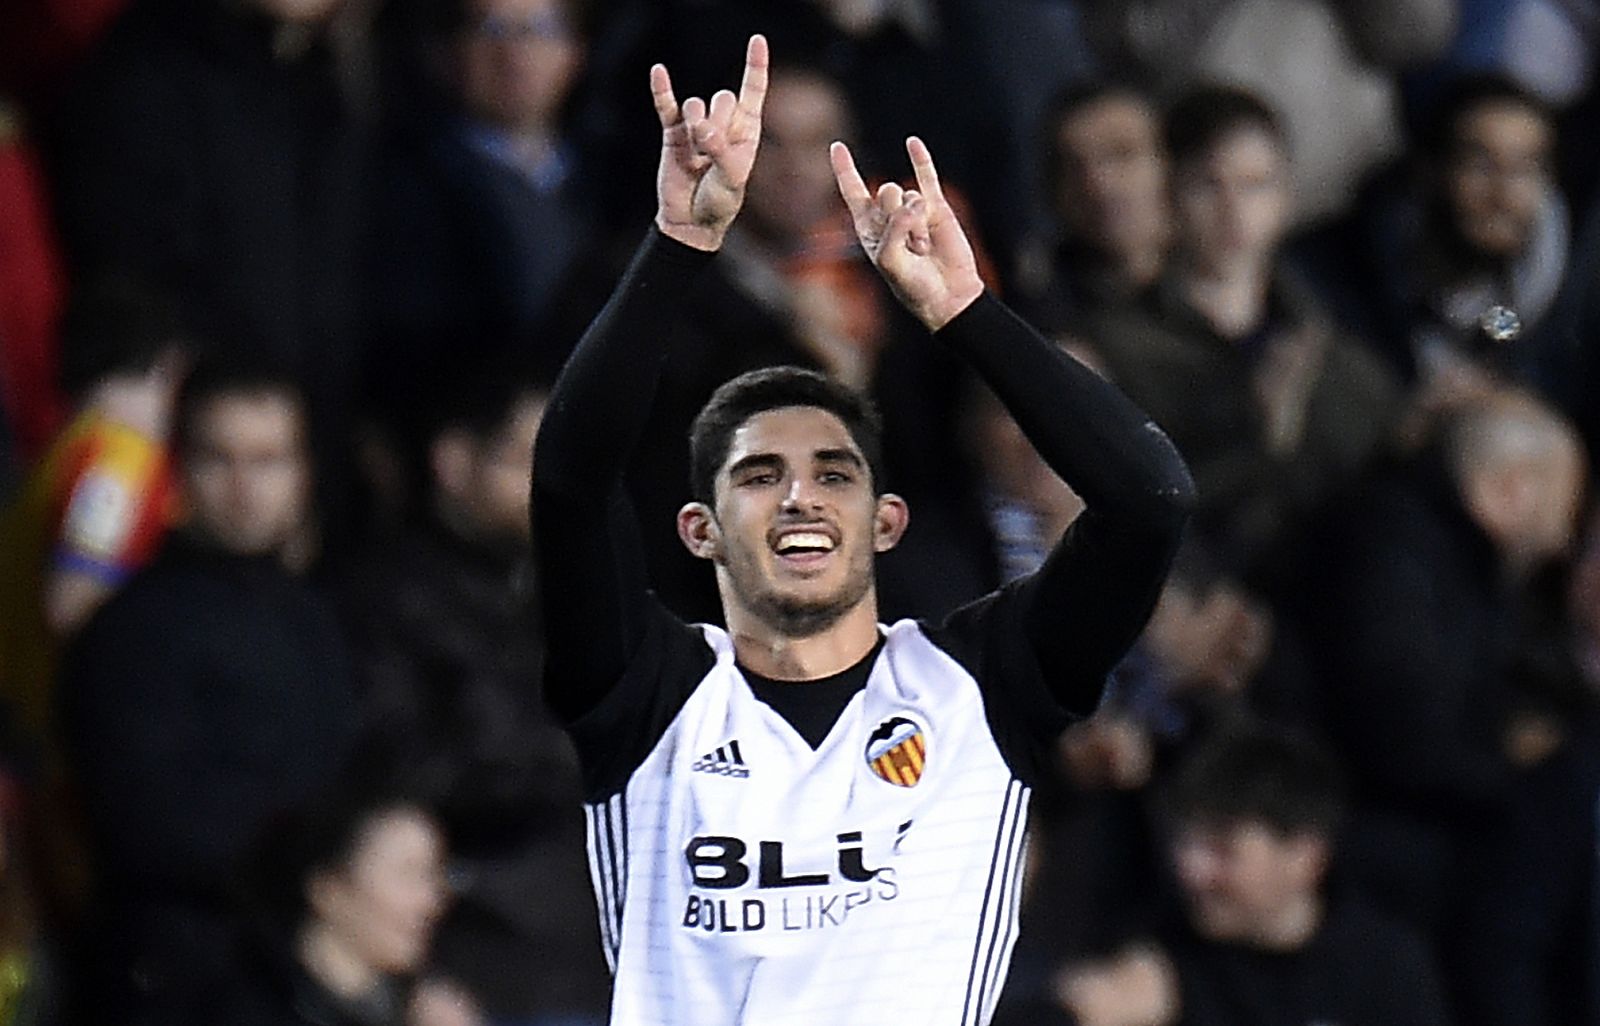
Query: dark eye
[[760, 478], [836, 477]]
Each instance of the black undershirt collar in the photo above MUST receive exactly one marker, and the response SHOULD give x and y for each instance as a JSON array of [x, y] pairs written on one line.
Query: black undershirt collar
[[812, 707]]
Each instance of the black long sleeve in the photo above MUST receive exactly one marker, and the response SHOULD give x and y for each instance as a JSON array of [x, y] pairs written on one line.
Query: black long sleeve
[[597, 606], [1091, 598]]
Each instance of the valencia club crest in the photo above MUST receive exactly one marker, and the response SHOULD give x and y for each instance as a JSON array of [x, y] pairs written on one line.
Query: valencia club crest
[[897, 751]]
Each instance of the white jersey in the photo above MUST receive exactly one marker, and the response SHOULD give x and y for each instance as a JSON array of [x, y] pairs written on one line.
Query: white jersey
[[744, 877]]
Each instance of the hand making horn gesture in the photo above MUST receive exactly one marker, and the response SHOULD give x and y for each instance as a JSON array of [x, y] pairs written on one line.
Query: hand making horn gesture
[[706, 152], [912, 237]]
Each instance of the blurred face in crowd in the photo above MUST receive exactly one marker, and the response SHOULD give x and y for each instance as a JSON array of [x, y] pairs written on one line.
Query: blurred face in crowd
[[516, 60], [1233, 203], [1498, 176], [298, 10], [1530, 505], [484, 481], [246, 472], [791, 186], [1112, 192], [1241, 879], [796, 523], [381, 906]]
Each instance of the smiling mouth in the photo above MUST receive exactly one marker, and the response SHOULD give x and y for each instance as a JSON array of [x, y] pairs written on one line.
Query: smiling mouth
[[804, 543]]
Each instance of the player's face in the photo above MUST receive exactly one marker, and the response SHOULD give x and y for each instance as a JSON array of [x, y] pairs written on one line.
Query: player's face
[[1498, 177], [246, 474], [1114, 174], [797, 522], [1233, 204], [1238, 879]]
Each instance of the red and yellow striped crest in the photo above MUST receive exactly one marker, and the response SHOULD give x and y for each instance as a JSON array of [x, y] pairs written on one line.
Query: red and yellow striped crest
[[897, 751]]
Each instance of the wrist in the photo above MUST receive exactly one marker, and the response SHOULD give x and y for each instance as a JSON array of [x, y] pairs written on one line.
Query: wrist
[[699, 237], [952, 304]]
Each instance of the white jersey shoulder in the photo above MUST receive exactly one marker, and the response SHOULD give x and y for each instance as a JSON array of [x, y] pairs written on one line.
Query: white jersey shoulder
[[745, 878]]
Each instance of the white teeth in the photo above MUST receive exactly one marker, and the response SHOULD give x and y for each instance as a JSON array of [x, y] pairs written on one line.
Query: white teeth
[[805, 540]]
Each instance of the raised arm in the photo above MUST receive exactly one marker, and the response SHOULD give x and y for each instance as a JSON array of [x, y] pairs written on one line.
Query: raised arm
[[1091, 599], [590, 572]]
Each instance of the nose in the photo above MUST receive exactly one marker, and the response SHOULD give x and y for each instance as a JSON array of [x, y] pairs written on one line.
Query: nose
[[802, 494]]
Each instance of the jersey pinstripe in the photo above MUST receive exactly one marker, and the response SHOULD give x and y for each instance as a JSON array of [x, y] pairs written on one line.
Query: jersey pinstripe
[[876, 877]]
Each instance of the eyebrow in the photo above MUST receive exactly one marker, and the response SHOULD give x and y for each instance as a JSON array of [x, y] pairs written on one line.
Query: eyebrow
[[756, 459], [773, 460], [837, 456]]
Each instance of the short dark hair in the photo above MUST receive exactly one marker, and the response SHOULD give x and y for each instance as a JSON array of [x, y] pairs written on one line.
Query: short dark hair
[[115, 324], [1257, 773], [776, 388], [1203, 117], [320, 834], [480, 399], [231, 376], [1465, 95]]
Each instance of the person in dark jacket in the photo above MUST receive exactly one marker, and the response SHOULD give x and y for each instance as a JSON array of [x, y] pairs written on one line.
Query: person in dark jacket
[[210, 693], [1273, 407], [1423, 621], [1253, 815], [482, 211], [445, 633], [1259, 932]]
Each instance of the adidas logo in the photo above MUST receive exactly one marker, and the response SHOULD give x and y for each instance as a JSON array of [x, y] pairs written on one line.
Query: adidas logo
[[726, 761]]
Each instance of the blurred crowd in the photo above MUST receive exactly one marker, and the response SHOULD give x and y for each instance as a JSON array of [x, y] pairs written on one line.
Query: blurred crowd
[[283, 286]]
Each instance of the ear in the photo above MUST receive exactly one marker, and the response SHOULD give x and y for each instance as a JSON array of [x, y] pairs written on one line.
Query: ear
[[890, 522], [698, 530], [450, 458]]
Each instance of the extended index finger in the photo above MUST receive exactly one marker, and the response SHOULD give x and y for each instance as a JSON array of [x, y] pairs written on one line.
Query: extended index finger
[[922, 165], [851, 185], [753, 88], [661, 93]]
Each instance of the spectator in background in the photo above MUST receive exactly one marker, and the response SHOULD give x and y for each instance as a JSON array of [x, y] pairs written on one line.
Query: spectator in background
[[445, 634], [1106, 175], [1433, 658], [1327, 65], [1259, 933], [1252, 820], [218, 151], [209, 694], [1273, 408], [481, 212], [1480, 223], [345, 894]]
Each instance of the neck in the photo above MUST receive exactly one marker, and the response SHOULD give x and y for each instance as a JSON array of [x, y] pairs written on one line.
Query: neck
[[1294, 927], [533, 141], [764, 649], [1232, 299], [332, 964]]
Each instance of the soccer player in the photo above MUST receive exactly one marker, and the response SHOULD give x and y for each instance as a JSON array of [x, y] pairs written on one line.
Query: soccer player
[[810, 816]]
